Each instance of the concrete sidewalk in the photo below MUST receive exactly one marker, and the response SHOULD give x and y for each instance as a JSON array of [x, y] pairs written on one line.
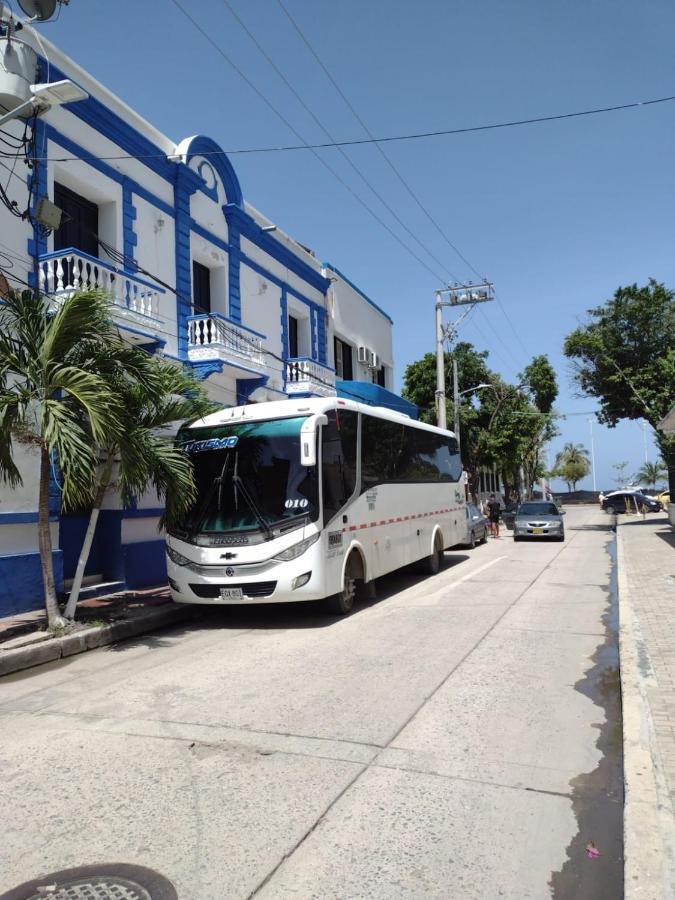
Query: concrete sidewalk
[[25, 641], [646, 581]]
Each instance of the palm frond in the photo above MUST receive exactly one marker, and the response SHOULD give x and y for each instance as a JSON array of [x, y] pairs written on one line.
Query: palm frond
[[62, 431], [94, 396], [83, 316]]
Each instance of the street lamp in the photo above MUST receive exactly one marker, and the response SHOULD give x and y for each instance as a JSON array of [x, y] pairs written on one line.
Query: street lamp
[[45, 96]]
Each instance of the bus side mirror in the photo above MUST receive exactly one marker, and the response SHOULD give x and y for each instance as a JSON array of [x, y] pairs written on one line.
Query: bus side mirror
[[308, 438]]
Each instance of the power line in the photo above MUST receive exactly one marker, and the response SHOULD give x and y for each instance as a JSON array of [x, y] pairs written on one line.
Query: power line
[[305, 144], [372, 137], [391, 164], [376, 140], [348, 159]]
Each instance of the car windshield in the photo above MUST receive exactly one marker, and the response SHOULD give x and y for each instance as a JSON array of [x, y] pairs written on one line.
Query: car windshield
[[538, 509], [249, 477]]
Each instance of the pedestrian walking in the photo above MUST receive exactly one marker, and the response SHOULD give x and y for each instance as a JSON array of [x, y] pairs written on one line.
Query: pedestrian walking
[[494, 514]]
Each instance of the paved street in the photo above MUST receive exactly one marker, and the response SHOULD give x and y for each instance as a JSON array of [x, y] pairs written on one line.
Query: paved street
[[457, 738]]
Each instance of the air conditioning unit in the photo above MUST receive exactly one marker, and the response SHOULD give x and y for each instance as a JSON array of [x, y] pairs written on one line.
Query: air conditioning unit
[[364, 355], [372, 359]]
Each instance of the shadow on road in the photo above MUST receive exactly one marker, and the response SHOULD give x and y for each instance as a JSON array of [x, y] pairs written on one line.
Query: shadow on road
[[278, 616], [608, 526]]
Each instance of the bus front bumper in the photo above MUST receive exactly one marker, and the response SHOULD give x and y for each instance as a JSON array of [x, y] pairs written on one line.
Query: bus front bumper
[[279, 584]]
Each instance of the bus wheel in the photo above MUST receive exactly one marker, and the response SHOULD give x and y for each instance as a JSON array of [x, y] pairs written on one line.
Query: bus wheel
[[342, 604], [431, 565]]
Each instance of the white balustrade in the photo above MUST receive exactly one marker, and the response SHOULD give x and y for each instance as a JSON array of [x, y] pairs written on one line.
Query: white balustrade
[[308, 376], [212, 337], [63, 273]]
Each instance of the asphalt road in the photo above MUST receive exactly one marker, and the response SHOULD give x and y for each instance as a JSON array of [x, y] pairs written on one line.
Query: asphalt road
[[459, 737]]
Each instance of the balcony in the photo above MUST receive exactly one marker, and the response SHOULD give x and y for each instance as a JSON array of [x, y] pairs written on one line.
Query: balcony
[[135, 302], [213, 336], [307, 376]]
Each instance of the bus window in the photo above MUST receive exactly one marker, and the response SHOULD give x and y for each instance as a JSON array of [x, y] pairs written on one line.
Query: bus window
[[381, 442], [338, 460]]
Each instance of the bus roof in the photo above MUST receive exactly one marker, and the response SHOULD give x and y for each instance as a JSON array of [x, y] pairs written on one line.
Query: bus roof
[[284, 409]]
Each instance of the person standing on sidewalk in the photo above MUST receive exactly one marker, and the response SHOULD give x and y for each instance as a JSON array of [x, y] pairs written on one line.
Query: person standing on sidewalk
[[494, 513]]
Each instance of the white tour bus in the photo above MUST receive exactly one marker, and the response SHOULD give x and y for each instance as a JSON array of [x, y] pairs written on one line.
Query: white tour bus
[[312, 499]]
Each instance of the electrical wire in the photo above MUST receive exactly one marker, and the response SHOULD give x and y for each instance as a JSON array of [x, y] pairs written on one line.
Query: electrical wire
[[384, 139], [371, 136], [321, 160], [392, 166], [344, 155]]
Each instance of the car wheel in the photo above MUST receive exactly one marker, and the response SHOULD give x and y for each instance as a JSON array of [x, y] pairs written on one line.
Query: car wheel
[[483, 540], [472, 540], [610, 510], [342, 603], [561, 537]]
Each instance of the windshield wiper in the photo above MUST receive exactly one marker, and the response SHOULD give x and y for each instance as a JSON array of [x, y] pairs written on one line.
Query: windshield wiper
[[217, 483], [238, 480]]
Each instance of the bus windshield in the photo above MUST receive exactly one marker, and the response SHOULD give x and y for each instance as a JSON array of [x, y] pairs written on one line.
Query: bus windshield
[[249, 478]]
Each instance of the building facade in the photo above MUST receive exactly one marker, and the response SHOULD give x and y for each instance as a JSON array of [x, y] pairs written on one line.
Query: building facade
[[196, 273]]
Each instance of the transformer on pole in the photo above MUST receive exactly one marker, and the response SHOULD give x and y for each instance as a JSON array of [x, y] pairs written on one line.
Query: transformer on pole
[[458, 295]]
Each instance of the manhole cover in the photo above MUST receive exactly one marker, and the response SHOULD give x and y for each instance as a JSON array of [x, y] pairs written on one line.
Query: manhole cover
[[116, 881]]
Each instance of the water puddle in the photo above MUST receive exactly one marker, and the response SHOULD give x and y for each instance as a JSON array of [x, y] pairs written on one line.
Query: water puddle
[[597, 796]]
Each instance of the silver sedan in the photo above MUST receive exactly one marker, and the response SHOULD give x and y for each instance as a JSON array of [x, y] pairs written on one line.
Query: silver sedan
[[538, 519]]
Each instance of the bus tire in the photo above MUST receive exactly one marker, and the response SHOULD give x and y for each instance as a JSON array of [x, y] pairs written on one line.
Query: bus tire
[[342, 603], [431, 565]]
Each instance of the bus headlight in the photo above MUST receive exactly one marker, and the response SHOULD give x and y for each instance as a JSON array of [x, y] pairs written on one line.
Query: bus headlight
[[177, 558], [297, 549]]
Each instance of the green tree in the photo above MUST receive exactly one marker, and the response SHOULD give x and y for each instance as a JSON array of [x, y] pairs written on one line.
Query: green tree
[[571, 472], [51, 402], [154, 394], [572, 464], [650, 473], [503, 425], [625, 357]]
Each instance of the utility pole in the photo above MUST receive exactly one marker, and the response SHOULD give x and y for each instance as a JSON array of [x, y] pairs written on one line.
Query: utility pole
[[455, 401], [590, 423], [457, 295]]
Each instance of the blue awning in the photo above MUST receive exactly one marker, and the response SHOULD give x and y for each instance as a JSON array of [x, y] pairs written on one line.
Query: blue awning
[[375, 395]]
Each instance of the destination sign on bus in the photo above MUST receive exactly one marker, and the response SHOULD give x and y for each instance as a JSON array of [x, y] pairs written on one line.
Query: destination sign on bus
[[211, 444]]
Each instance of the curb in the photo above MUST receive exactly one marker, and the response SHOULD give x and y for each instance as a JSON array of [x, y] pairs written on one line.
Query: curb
[[89, 639], [649, 823]]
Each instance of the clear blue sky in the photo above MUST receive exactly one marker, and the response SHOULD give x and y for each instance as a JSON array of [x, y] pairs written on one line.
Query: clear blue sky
[[556, 215]]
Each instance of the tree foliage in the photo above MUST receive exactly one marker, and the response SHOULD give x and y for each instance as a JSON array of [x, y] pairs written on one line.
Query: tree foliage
[[572, 464], [502, 425], [651, 473], [50, 398], [625, 357]]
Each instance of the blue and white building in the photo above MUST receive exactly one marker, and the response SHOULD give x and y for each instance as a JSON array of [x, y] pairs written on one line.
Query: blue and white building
[[197, 274]]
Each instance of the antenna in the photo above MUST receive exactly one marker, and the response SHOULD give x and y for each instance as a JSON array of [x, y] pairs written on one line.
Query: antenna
[[41, 10]]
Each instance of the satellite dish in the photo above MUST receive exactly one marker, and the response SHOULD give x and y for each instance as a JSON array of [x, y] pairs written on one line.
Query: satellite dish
[[38, 9]]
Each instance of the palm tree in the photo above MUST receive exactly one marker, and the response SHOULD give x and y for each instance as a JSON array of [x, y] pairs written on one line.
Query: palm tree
[[49, 401], [650, 473], [572, 453], [572, 464], [154, 394]]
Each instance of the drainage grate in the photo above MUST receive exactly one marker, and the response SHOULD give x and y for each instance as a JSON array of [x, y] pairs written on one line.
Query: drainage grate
[[117, 881]]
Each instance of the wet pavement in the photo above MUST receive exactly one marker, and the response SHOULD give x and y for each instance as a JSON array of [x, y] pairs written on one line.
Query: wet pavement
[[598, 796], [456, 738]]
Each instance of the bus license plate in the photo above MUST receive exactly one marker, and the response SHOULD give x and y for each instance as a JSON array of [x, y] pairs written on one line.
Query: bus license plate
[[537, 531], [231, 594]]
